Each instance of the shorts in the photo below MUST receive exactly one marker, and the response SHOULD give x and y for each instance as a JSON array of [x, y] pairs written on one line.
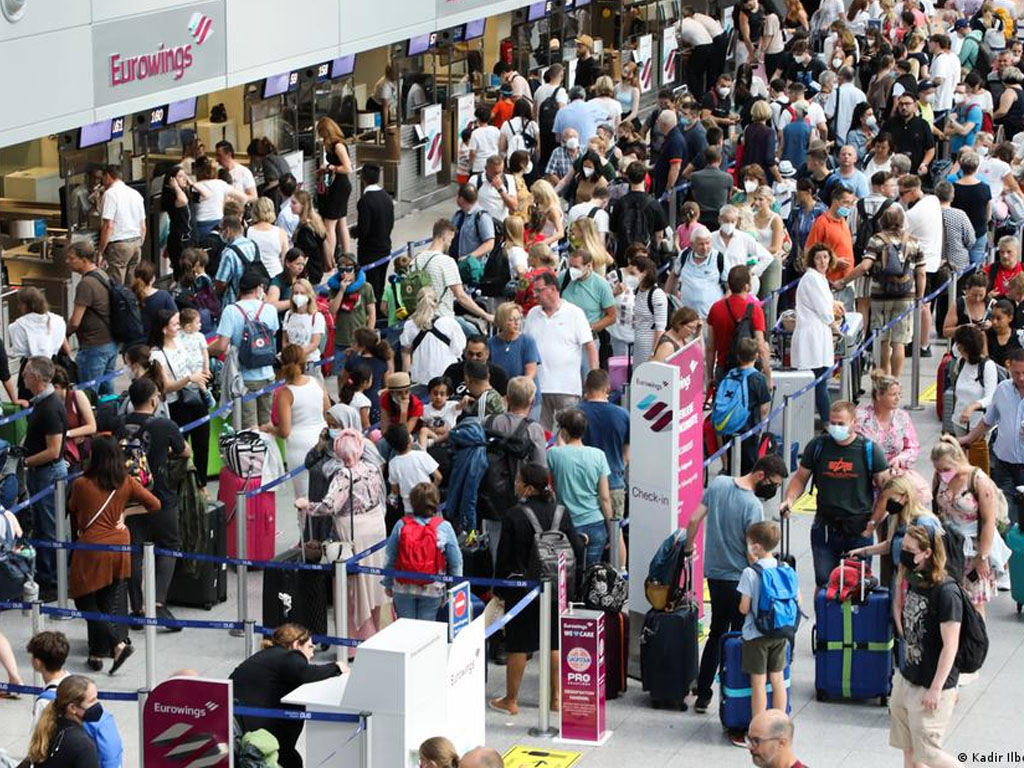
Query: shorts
[[763, 655], [862, 288], [883, 311], [912, 727], [618, 503]]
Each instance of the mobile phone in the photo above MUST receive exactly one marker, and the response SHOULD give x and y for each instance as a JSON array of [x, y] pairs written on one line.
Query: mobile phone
[[973, 576]]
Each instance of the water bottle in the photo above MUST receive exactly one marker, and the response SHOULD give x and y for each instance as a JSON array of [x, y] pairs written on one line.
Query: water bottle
[[29, 593]]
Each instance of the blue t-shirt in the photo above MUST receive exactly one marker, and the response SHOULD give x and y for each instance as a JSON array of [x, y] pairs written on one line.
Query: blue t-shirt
[[796, 136], [731, 510], [232, 322], [856, 182], [474, 229], [577, 470], [750, 585], [966, 113], [672, 150], [608, 430], [513, 356]]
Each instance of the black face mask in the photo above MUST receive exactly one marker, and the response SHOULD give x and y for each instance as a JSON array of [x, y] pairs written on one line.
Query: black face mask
[[93, 713], [766, 490], [894, 507], [907, 559]]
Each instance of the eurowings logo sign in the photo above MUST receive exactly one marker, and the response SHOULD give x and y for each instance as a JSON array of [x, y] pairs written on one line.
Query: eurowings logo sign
[[201, 27], [656, 413], [164, 60]]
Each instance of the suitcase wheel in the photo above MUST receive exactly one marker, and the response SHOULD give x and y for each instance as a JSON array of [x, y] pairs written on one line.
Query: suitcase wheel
[[207, 606], [883, 701], [820, 695], [1018, 608]]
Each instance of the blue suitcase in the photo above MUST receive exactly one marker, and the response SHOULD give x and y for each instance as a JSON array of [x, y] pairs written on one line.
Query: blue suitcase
[[734, 684], [853, 645]]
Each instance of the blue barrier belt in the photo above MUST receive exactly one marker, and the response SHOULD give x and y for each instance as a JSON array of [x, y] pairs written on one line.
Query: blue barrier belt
[[294, 714], [275, 482], [475, 581], [35, 690], [512, 612], [100, 379], [324, 639]]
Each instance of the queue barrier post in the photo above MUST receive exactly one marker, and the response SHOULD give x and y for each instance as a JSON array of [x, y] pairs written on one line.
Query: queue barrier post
[[249, 628], [614, 534], [544, 705], [671, 195], [367, 738], [37, 627], [140, 717], [149, 606], [846, 380], [60, 498], [735, 456], [236, 414], [787, 437], [242, 570], [915, 368], [341, 606], [950, 302]]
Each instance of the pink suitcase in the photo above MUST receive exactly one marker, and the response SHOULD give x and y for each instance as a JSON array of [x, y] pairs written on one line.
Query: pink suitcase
[[260, 521], [618, 370]]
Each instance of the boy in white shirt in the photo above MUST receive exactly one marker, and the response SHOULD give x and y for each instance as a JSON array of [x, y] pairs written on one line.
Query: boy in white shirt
[[408, 468], [439, 414]]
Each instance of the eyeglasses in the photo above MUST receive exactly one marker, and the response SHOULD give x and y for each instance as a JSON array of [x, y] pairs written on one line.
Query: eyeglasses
[[753, 742]]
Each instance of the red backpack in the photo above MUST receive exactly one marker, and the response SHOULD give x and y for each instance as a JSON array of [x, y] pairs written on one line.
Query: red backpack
[[417, 550], [323, 306]]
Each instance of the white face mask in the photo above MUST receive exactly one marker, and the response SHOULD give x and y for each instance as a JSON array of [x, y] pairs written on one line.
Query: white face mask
[[724, 91], [837, 63], [632, 282], [750, 187], [982, 151], [575, 273], [958, 98], [529, 168], [587, 171], [572, 143], [872, 123], [301, 300], [930, 98], [727, 228]]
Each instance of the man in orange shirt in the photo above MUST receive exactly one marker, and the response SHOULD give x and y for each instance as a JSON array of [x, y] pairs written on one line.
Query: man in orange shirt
[[832, 229]]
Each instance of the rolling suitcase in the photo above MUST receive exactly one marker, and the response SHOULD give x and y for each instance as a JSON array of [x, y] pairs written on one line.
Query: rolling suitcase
[[734, 684], [202, 584], [853, 645], [941, 385], [616, 653], [669, 659], [477, 562], [297, 596], [1015, 540], [261, 516]]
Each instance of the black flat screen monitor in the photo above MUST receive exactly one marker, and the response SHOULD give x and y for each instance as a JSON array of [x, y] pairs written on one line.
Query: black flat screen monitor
[[179, 111], [475, 29], [278, 84], [94, 134], [343, 66]]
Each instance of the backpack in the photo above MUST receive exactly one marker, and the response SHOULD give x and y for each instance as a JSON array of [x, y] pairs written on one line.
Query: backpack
[[441, 336], [633, 224], [730, 412], [323, 306], [415, 280], [134, 442], [662, 586], [603, 588], [867, 226], [973, 647], [497, 274], [547, 113], [1001, 373], [125, 321], [257, 349], [453, 251], [521, 140], [777, 613], [418, 551], [895, 271], [542, 562], [17, 562], [720, 263], [784, 108], [256, 266], [983, 65], [505, 452], [744, 330]]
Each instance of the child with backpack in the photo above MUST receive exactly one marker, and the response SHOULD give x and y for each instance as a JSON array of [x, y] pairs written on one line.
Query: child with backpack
[[770, 601], [421, 542], [742, 399]]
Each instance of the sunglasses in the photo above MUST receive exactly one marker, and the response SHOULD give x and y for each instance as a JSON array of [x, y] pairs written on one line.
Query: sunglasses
[[348, 269]]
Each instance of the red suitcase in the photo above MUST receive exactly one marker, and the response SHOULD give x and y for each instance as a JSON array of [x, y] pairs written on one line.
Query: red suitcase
[[616, 657], [261, 517]]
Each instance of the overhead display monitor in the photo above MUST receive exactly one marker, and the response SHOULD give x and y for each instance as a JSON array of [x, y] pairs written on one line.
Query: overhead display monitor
[[278, 84], [421, 44], [475, 29], [94, 134], [581, 3], [117, 128], [157, 117], [179, 111], [537, 11], [343, 66]]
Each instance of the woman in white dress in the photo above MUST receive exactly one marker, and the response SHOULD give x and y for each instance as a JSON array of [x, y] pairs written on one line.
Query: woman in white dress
[[270, 239], [813, 348], [301, 405]]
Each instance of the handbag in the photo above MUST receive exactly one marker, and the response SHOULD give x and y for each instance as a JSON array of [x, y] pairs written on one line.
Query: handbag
[[331, 551], [243, 452], [187, 396]]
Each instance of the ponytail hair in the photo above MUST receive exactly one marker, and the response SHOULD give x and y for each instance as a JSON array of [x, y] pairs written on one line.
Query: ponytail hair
[[370, 340], [535, 476], [142, 356], [439, 751], [293, 363], [72, 690], [351, 381], [144, 274]]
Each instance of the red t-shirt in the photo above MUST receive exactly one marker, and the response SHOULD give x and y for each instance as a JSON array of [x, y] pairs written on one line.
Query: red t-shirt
[[723, 325], [502, 112], [415, 406], [1003, 276]]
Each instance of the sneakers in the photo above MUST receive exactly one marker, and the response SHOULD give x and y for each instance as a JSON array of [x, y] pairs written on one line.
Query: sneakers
[[163, 612], [701, 706], [738, 739], [926, 351]]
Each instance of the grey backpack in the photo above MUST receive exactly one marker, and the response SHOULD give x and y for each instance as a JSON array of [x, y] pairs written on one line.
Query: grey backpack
[[543, 562]]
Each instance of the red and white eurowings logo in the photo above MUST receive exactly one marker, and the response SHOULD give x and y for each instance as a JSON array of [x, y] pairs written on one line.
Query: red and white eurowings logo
[[200, 26]]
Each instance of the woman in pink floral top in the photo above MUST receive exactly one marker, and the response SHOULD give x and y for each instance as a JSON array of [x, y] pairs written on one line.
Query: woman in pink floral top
[[883, 421], [356, 500]]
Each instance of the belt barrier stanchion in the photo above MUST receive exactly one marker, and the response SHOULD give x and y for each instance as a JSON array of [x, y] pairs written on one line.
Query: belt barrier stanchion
[[367, 739], [143, 695], [410, 247], [149, 603], [236, 414], [846, 379], [341, 606], [735, 456], [671, 195], [249, 630], [37, 627], [614, 532], [787, 437], [915, 369], [950, 302], [60, 498], [241, 569], [544, 709]]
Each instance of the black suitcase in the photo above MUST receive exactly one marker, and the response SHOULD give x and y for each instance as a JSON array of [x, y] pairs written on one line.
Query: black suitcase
[[669, 657], [296, 596], [478, 563], [200, 584], [616, 653]]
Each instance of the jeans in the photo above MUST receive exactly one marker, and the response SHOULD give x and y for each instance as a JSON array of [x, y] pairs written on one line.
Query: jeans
[[597, 540], [822, 400], [44, 519], [828, 547], [978, 250], [423, 607], [1007, 477], [204, 228], [725, 617], [468, 328], [94, 362]]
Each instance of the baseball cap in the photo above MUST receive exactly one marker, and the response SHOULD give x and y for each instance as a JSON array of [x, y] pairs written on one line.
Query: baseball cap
[[961, 24]]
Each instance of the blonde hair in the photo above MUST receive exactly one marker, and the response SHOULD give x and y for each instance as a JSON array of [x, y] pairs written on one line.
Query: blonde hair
[[72, 690], [760, 111], [592, 242], [515, 231], [948, 447], [308, 214], [503, 312], [544, 196], [426, 308], [542, 255], [311, 308], [604, 86], [439, 751], [329, 131], [263, 211], [900, 485]]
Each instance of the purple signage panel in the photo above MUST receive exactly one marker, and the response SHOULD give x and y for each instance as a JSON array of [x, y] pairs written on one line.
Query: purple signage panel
[[582, 667]]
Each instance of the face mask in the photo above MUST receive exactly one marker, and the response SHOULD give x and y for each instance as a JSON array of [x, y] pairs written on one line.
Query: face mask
[[685, 122], [724, 91], [947, 476], [587, 172], [839, 432], [894, 507], [750, 187], [333, 434], [907, 560], [805, 59], [727, 229], [843, 211], [572, 143], [837, 63], [93, 713], [982, 151], [529, 168], [766, 490], [575, 273], [958, 98], [301, 300], [872, 123], [631, 282], [930, 98]]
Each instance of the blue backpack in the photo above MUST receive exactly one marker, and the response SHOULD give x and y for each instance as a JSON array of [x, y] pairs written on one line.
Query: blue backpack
[[664, 586], [777, 613], [103, 732], [730, 412], [257, 349]]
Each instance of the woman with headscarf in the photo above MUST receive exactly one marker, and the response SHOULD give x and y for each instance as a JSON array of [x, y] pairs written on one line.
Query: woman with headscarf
[[356, 501]]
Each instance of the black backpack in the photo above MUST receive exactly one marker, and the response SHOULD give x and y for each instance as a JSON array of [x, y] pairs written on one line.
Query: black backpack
[[744, 330], [256, 266], [125, 321], [505, 451], [973, 648], [497, 274], [867, 226], [546, 114], [983, 61], [633, 224], [723, 276]]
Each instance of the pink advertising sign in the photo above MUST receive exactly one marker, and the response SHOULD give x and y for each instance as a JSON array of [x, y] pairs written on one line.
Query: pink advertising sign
[[187, 720], [582, 667]]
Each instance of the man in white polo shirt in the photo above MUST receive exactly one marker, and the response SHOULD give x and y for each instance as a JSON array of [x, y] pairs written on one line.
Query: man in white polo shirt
[[495, 189], [124, 226], [241, 177], [562, 334]]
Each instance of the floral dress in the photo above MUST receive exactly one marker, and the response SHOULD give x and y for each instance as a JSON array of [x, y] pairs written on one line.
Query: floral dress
[[898, 442]]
